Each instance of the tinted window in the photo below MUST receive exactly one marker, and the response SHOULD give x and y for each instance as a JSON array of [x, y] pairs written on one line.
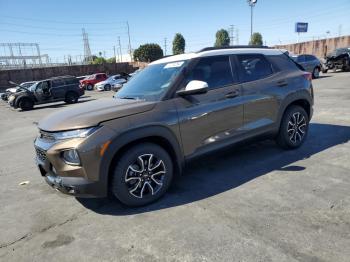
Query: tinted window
[[214, 70], [98, 76], [254, 67], [310, 58], [282, 62], [57, 82], [301, 59], [70, 81]]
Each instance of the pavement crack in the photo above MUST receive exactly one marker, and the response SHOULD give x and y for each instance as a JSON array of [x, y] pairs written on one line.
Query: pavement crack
[[31, 235]]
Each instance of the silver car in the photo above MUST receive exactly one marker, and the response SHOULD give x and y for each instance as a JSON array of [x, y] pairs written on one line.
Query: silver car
[[110, 82], [310, 63]]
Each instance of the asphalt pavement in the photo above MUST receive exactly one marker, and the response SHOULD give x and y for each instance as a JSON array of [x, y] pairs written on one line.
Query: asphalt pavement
[[252, 203]]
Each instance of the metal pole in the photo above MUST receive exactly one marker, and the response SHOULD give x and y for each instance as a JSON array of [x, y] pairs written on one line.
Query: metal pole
[[251, 22], [120, 50], [127, 23]]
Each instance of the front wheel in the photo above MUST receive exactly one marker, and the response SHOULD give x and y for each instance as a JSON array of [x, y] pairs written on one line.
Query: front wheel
[[89, 87], [294, 128], [107, 87], [316, 73], [142, 175], [26, 104]]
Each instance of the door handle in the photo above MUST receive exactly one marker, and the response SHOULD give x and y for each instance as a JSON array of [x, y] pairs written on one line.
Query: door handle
[[232, 94], [282, 83]]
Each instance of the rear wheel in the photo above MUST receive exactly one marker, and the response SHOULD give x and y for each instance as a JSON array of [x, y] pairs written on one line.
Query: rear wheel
[[89, 87], [71, 98], [107, 87], [26, 104], [294, 128], [142, 175], [316, 73]]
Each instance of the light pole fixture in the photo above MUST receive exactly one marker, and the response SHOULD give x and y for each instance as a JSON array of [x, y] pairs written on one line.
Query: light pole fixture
[[251, 3]]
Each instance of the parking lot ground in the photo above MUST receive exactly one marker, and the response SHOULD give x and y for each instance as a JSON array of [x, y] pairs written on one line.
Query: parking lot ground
[[252, 203]]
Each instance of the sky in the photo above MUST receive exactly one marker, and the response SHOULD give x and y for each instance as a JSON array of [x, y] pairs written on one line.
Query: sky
[[57, 25]]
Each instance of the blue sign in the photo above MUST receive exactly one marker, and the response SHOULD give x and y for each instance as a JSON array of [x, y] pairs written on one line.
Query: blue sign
[[301, 27]]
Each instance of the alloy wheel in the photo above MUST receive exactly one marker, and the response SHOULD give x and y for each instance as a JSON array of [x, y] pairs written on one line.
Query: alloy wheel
[[296, 128], [144, 177]]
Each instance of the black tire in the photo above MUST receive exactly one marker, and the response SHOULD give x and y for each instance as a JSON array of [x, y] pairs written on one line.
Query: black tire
[[89, 87], [291, 136], [316, 73], [71, 98], [26, 104], [107, 87], [131, 184]]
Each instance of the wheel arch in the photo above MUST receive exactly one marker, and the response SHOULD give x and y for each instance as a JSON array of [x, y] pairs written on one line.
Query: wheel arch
[[158, 135]]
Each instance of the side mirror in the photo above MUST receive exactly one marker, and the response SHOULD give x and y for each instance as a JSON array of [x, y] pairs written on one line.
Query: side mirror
[[194, 87]]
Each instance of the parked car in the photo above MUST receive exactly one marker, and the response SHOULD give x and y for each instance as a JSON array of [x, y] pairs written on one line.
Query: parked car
[[109, 82], [82, 77], [176, 109], [310, 63], [89, 82], [65, 88], [338, 59], [9, 91]]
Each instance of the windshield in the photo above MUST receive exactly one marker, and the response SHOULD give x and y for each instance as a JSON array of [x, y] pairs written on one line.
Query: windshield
[[32, 87], [152, 82]]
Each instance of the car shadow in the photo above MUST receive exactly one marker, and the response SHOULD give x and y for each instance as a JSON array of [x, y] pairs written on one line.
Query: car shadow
[[230, 168], [322, 76], [58, 104]]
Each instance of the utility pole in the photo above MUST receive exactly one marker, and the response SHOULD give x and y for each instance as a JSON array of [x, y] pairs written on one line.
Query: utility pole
[[231, 30], [87, 51], [237, 36], [115, 58], [120, 50], [165, 46], [129, 47], [251, 3], [339, 30]]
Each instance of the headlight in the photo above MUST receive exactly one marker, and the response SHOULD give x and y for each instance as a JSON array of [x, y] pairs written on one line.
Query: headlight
[[11, 98], [77, 133], [71, 157]]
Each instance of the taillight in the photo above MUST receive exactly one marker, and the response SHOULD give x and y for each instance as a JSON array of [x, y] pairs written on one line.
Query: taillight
[[308, 76]]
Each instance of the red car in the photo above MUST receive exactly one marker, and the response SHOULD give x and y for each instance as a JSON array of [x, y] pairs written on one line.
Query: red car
[[89, 82]]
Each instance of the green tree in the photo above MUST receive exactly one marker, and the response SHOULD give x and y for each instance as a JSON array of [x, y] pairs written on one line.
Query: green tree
[[256, 39], [148, 53], [179, 44], [222, 38], [98, 61]]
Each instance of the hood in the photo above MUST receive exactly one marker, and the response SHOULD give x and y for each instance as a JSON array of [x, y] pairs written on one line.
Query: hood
[[92, 113], [12, 90]]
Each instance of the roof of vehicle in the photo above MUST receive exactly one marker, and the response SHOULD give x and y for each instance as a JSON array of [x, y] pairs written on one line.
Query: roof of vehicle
[[220, 51]]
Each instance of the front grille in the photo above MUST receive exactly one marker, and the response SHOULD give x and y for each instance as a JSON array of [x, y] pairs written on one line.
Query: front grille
[[41, 154]]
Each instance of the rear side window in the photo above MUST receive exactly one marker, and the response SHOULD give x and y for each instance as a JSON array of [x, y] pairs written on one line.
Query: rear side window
[[253, 67], [57, 82], [282, 62], [71, 81], [98, 76], [215, 70]]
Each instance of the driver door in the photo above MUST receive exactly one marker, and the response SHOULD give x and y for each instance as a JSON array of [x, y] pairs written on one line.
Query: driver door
[[211, 119]]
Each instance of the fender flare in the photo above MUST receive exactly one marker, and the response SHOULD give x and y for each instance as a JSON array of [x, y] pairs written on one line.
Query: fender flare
[[130, 136]]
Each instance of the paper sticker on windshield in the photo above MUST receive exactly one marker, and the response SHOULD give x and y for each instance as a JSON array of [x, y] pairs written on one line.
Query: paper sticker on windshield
[[174, 64]]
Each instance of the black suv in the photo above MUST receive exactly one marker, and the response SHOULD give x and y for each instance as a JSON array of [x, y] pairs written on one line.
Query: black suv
[[175, 109], [63, 88]]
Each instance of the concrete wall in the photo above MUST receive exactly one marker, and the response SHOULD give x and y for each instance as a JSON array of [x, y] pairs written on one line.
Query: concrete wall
[[318, 48], [23, 75]]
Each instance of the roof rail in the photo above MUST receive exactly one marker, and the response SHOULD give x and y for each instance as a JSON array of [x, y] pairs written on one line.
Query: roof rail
[[232, 47]]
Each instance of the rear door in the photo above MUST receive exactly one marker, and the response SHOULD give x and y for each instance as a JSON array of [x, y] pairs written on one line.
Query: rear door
[[260, 87], [58, 88], [208, 119]]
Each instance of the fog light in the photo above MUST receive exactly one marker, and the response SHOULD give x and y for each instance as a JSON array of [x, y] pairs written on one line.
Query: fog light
[[71, 157]]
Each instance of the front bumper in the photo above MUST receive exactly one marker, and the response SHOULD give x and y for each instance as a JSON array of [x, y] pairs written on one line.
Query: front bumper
[[83, 180]]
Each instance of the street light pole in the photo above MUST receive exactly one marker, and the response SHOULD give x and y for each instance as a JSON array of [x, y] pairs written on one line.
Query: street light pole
[[251, 3]]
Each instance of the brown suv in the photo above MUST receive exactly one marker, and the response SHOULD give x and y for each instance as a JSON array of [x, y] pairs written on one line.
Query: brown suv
[[176, 109]]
